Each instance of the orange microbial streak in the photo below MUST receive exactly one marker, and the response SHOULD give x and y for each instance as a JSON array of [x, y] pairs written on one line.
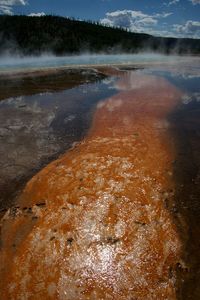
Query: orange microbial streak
[[98, 226]]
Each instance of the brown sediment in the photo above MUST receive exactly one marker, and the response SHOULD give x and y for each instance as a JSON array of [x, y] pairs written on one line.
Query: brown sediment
[[13, 84], [110, 71], [98, 221]]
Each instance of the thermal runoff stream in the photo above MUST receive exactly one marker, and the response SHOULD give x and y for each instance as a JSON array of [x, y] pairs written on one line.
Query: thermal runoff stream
[[116, 216]]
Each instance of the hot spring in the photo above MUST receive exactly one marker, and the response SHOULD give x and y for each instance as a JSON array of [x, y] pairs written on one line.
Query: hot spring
[[100, 177]]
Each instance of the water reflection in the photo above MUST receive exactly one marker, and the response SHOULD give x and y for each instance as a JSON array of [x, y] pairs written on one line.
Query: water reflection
[[118, 215], [107, 198], [36, 129], [185, 129]]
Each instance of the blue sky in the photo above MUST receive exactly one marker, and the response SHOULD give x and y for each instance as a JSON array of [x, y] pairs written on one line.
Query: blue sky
[[180, 18]]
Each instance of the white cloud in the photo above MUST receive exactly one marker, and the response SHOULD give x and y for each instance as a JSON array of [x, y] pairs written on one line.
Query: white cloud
[[136, 21], [194, 2], [163, 15], [6, 6], [40, 14], [189, 29], [153, 24], [173, 2]]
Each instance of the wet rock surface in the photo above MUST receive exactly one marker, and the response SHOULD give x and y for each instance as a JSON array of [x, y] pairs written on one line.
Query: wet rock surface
[[96, 223]]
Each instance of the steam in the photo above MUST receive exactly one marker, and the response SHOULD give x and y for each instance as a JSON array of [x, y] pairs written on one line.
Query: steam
[[11, 62]]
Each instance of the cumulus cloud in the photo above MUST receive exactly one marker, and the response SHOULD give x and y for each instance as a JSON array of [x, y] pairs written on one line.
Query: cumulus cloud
[[136, 21], [189, 29], [6, 6], [153, 24], [194, 2], [40, 14]]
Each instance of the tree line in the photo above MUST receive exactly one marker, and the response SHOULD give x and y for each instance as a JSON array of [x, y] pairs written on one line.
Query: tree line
[[58, 35]]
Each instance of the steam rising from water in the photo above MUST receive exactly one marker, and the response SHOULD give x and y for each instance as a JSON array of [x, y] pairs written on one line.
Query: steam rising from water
[[45, 61]]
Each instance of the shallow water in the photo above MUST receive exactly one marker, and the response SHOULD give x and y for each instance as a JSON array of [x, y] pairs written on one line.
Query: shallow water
[[144, 122], [35, 129], [185, 131]]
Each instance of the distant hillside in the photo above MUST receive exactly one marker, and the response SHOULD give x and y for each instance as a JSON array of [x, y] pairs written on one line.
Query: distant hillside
[[58, 35]]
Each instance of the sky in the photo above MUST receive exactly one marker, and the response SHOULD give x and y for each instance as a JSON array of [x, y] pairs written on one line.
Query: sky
[[177, 18]]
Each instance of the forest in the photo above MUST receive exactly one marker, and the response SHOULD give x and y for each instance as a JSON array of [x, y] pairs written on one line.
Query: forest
[[24, 35]]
